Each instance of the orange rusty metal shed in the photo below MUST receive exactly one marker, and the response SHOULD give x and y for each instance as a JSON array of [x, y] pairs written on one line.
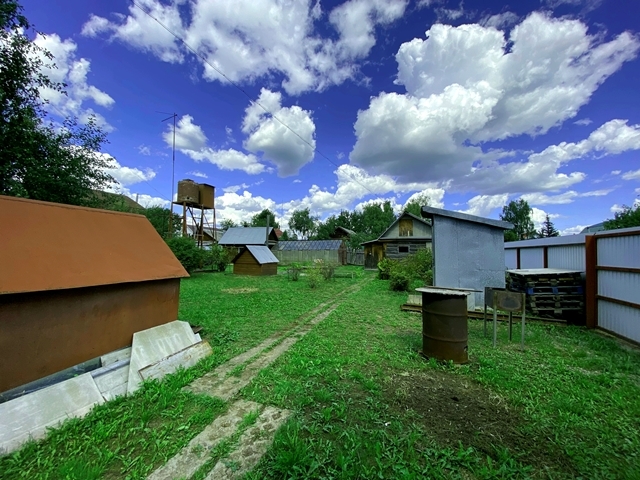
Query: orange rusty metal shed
[[76, 283]]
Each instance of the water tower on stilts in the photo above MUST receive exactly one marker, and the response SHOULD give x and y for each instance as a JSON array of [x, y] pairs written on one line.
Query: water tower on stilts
[[198, 210]]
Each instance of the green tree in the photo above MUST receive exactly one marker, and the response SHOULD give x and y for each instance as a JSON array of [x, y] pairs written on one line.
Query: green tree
[[548, 229], [190, 256], [414, 206], [302, 223], [626, 218], [227, 223], [260, 219], [325, 229], [37, 160], [159, 218], [374, 219], [519, 214]]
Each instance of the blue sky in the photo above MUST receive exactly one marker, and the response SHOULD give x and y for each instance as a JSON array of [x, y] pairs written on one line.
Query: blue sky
[[471, 103]]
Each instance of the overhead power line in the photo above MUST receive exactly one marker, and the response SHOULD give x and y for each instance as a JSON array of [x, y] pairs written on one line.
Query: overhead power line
[[222, 74]]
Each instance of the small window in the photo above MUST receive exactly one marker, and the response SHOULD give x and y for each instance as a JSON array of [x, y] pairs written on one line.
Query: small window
[[403, 249]]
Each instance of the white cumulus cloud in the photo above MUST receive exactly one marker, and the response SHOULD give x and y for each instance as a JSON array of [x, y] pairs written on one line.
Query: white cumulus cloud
[[67, 68], [483, 205], [249, 39], [472, 84], [192, 141], [268, 134]]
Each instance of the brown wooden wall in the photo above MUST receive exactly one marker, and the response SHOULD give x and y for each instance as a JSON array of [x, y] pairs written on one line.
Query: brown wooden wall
[[42, 333], [392, 250], [270, 269], [373, 253]]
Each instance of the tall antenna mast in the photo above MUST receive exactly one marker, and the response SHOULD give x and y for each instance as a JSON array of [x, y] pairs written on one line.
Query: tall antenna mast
[[173, 170]]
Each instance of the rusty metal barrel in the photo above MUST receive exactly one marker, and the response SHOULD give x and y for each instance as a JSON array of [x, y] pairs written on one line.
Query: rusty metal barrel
[[445, 332]]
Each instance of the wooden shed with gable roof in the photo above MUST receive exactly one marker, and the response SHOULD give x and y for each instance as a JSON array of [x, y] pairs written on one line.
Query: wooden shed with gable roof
[[80, 291], [255, 260]]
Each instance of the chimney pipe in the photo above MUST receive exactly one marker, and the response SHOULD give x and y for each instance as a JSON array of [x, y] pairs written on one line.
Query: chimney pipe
[[266, 240]]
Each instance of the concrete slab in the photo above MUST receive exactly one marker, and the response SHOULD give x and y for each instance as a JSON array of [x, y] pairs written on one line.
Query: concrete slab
[[29, 416], [152, 345], [253, 444], [114, 357], [112, 381], [198, 450], [185, 358]]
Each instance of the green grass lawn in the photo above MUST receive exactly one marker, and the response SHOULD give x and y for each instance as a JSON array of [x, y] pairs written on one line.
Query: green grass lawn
[[366, 404]]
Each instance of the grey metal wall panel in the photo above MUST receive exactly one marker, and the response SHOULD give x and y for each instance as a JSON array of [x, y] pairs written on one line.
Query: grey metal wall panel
[[468, 255], [620, 319], [619, 285], [532, 257], [570, 257], [619, 251], [511, 259]]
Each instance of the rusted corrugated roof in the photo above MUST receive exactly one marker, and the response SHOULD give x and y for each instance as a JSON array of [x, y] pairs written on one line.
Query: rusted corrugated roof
[[49, 246]]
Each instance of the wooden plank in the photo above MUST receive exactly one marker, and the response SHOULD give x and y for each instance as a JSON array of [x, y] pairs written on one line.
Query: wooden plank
[[618, 269], [185, 358]]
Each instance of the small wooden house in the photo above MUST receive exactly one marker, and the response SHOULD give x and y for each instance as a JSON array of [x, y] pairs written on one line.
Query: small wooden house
[[80, 291], [406, 235], [255, 260]]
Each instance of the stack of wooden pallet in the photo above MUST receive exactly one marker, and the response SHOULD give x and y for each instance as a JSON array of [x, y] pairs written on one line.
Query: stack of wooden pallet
[[550, 292]]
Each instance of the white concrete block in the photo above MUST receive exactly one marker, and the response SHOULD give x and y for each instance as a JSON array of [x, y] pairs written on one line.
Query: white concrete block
[[29, 416], [112, 381], [185, 358], [152, 345], [116, 356]]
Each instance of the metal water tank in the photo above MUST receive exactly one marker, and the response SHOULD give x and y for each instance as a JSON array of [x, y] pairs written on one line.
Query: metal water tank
[[207, 194], [445, 333], [188, 191]]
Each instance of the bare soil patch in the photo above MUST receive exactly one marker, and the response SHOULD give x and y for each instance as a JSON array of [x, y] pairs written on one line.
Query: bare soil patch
[[456, 409], [240, 290]]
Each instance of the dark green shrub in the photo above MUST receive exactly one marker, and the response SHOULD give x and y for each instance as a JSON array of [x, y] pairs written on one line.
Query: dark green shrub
[[428, 278], [384, 268], [217, 258], [327, 270], [399, 280], [293, 272], [314, 276], [186, 251]]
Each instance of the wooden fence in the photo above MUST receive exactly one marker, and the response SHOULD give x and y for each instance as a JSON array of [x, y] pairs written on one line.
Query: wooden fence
[[355, 257], [303, 256]]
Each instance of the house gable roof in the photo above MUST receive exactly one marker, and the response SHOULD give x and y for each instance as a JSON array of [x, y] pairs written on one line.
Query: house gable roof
[[247, 236], [397, 220], [430, 212], [261, 253], [345, 231], [83, 247]]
